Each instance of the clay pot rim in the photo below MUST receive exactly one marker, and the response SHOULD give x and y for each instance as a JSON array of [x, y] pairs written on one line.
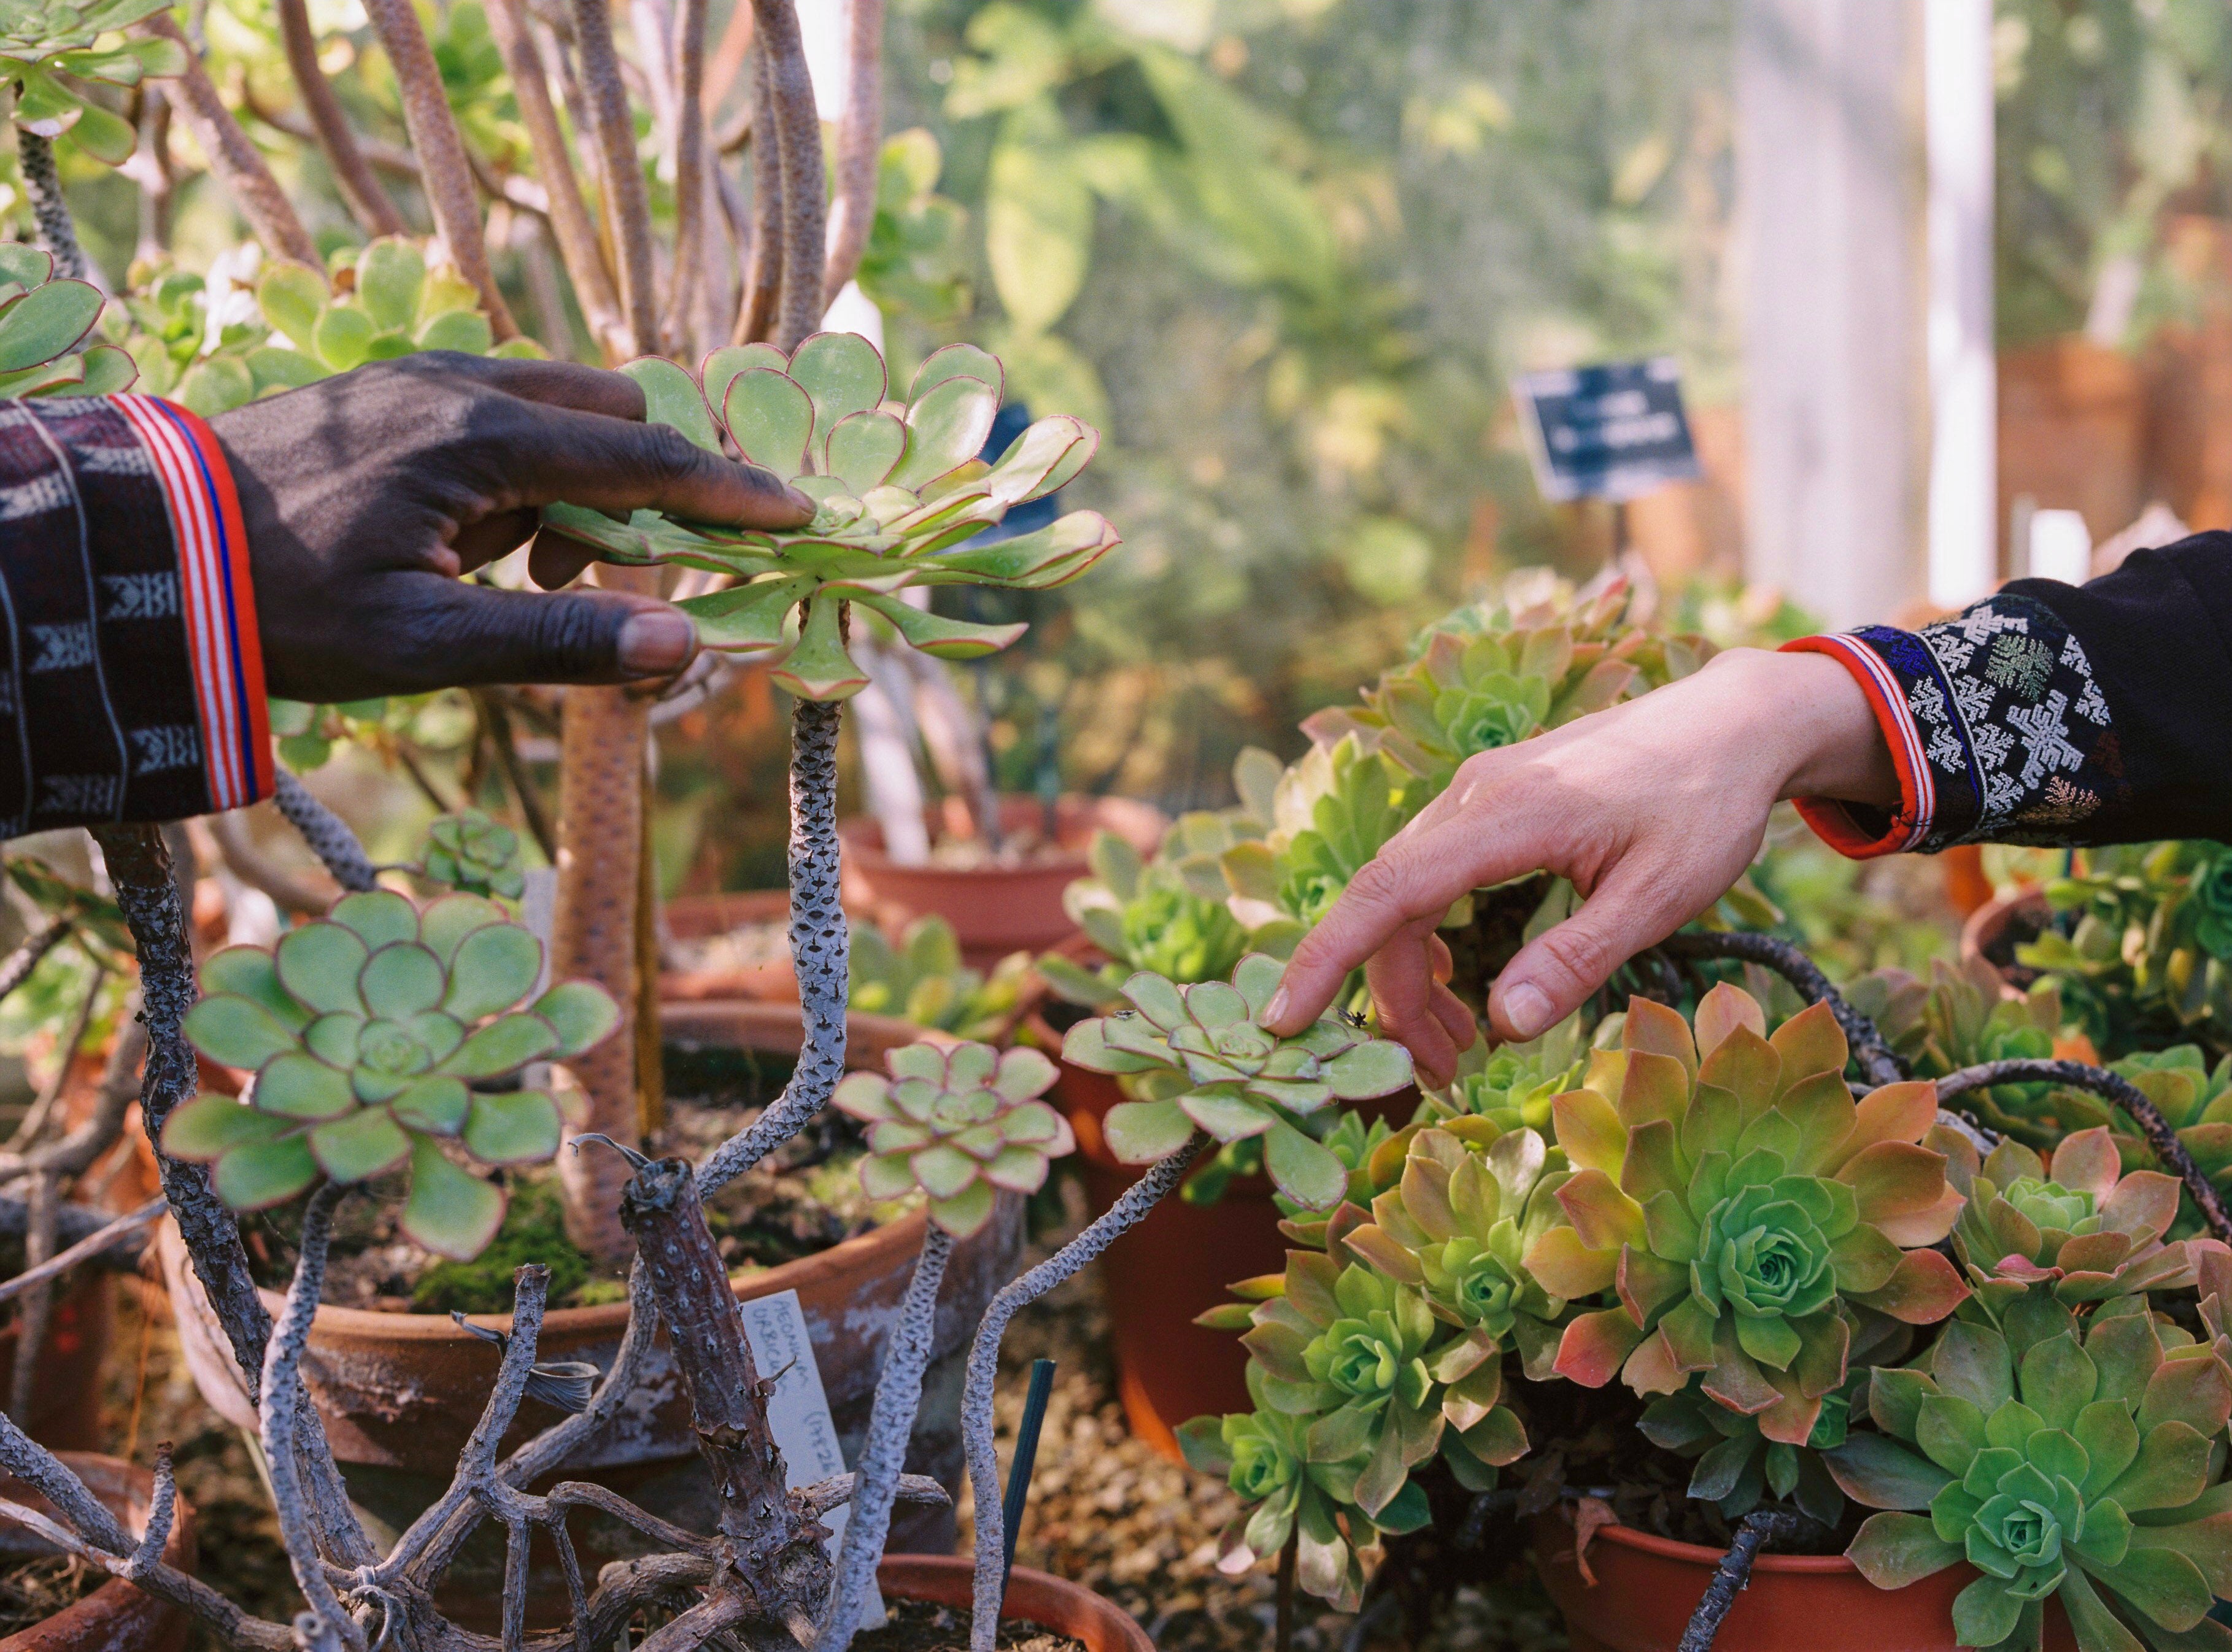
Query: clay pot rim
[[1994, 913], [903, 1234], [863, 838], [94, 1618], [1065, 1607], [1629, 1536]]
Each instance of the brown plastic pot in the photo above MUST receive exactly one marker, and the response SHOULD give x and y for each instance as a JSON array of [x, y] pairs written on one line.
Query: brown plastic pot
[[1647, 1586], [66, 1400], [399, 1393], [1035, 1596], [118, 1616], [995, 910]]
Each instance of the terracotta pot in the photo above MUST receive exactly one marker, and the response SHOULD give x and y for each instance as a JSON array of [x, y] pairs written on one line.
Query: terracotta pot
[[697, 917], [1037, 1597], [1999, 926], [995, 910], [1966, 887], [118, 1616], [66, 1402], [1646, 1586], [399, 1393]]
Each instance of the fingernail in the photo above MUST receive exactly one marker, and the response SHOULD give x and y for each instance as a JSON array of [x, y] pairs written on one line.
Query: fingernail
[[1276, 1009], [806, 503], [1527, 1008], [655, 642]]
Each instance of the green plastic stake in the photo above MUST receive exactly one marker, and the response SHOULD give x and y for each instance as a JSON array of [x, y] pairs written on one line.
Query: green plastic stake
[[1019, 1472]]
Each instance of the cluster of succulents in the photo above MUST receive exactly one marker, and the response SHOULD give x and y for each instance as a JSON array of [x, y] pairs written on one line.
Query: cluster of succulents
[[1513, 1085], [2065, 1461], [1333, 809], [1233, 1078], [960, 1124], [923, 980], [375, 1036], [43, 46], [1961, 1017], [900, 489], [47, 323], [470, 853]]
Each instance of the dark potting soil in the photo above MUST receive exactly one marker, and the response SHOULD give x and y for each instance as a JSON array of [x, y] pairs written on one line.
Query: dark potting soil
[[804, 1199], [917, 1626], [35, 1587]]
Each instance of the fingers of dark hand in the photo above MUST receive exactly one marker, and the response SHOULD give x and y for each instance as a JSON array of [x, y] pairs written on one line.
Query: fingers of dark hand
[[554, 384], [461, 633], [612, 464], [557, 561], [480, 543], [1554, 973]]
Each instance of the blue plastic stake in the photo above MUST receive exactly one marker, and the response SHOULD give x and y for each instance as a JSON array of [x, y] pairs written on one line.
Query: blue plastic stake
[[1019, 1472]]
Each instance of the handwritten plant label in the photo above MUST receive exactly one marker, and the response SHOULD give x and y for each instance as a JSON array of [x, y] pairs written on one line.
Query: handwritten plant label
[[798, 1410]]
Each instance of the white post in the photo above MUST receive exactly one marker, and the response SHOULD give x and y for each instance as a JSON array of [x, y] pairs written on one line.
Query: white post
[[1964, 372], [1828, 155]]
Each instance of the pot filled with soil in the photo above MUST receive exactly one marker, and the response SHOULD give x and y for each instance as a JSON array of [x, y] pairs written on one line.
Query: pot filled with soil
[[735, 945], [400, 1386], [52, 1602], [1994, 930], [927, 1597], [1634, 1591], [1002, 900]]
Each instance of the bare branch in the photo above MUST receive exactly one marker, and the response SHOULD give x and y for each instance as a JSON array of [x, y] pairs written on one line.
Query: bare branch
[[161, 1511], [34, 1125], [576, 1493], [368, 199], [626, 203], [859, 144], [756, 314], [258, 870], [570, 223], [796, 128], [689, 193], [237, 161], [38, 1299], [835, 1492], [24, 959], [327, 834], [447, 174], [144, 1217]]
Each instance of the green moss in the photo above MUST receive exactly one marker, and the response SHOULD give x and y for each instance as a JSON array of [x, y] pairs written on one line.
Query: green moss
[[534, 1231]]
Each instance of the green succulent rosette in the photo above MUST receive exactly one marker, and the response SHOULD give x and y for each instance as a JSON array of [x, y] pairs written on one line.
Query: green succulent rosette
[[960, 1124], [1236, 1080], [1333, 811], [1744, 1210], [900, 489], [1171, 915], [1738, 1467], [2078, 1228], [42, 43], [470, 853], [2066, 1463], [367, 1032], [1514, 1084], [923, 980], [2212, 901]]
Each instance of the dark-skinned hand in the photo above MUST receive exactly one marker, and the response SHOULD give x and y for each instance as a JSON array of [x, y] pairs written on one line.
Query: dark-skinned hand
[[365, 496]]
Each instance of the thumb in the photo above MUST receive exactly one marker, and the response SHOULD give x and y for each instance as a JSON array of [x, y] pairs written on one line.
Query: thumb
[[1554, 973], [457, 632]]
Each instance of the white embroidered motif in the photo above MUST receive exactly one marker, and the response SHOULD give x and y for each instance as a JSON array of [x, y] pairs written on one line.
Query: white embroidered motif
[[176, 745], [61, 648], [140, 596]]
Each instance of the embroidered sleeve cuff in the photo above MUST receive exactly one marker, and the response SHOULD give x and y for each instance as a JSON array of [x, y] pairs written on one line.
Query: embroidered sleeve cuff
[[217, 601], [1997, 728]]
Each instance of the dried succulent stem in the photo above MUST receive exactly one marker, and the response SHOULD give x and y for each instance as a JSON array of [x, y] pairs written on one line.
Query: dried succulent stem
[[38, 1297], [1877, 1062], [16, 969], [796, 129], [1730, 1577], [755, 314], [327, 834], [859, 143], [890, 1425], [690, 193], [87, 1249], [820, 946], [1131, 1205], [2159, 1133], [445, 171], [360, 187], [571, 225], [34, 160], [627, 203], [232, 157]]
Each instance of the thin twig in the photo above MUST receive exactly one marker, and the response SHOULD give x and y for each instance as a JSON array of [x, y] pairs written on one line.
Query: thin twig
[[498, 721], [755, 313], [2159, 1133], [32, 1314], [367, 198], [259, 872], [35, 1121], [689, 271], [93, 1245], [19, 964], [859, 144], [445, 171]]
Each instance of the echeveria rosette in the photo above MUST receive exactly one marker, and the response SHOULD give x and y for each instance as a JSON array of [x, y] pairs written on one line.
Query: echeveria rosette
[[1337, 808], [923, 980], [961, 1122], [2082, 1471], [1170, 915], [41, 42], [367, 1031], [2078, 1228], [900, 487], [45, 320], [1241, 1080], [1743, 1207], [470, 853], [1514, 1084], [2195, 1100], [1457, 1227]]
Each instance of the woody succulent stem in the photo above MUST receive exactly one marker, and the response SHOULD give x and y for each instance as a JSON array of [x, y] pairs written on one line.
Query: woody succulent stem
[[1733, 1575], [1130, 1207], [34, 159], [1877, 1062], [2159, 1135], [360, 187], [795, 131], [327, 834]]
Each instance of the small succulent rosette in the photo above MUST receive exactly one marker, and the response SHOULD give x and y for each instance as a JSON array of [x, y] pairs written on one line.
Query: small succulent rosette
[[2079, 1228], [469, 851], [962, 1123], [2077, 1461], [375, 1035], [901, 491], [1240, 1078], [1743, 1208]]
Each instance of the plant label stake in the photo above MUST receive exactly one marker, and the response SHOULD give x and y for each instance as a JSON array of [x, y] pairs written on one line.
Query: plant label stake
[[1026, 1451]]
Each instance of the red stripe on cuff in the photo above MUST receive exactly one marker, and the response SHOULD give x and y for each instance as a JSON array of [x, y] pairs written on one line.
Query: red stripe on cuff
[[1832, 820], [218, 599]]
